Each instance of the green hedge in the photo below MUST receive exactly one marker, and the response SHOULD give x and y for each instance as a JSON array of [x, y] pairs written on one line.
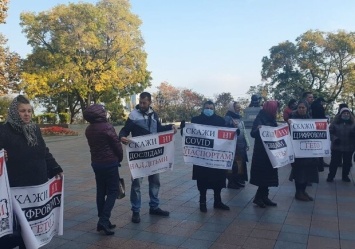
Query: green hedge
[[64, 118], [46, 118]]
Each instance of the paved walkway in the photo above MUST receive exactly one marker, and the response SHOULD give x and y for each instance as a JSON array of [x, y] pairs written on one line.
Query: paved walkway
[[327, 222]]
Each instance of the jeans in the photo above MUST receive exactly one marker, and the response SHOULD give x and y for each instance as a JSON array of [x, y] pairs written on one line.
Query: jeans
[[106, 192], [154, 185]]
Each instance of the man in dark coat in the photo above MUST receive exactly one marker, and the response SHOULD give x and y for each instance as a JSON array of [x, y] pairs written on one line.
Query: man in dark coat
[[209, 178]]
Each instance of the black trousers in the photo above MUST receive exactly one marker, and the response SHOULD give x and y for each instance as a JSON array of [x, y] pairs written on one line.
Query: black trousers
[[106, 192], [339, 157]]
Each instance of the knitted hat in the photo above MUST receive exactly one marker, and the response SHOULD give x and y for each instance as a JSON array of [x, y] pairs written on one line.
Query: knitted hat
[[344, 109]]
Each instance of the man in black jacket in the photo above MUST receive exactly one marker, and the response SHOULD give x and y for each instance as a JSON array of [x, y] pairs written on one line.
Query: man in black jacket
[[143, 121]]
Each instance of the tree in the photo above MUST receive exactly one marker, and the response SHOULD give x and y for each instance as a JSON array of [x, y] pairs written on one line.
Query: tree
[[10, 69], [3, 10], [320, 62], [176, 104], [222, 101], [84, 50], [4, 106]]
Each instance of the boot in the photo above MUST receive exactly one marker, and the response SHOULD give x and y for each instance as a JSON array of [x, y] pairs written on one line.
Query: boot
[[309, 197], [346, 179], [218, 204], [258, 200], [203, 206], [105, 228], [300, 195], [267, 201]]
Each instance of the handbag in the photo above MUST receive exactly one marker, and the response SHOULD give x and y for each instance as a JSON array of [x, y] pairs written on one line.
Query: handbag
[[121, 189]]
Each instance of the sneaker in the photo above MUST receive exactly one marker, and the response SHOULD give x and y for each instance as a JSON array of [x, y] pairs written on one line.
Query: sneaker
[[159, 212], [346, 179], [136, 217]]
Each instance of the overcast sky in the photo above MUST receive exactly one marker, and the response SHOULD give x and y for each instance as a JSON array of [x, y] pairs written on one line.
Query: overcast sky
[[210, 46]]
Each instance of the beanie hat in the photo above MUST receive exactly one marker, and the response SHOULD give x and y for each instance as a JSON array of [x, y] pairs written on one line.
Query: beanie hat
[[344, 109]]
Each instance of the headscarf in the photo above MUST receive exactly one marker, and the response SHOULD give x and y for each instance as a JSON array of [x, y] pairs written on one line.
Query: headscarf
[[231, 106], [14, 119], [271, 107]]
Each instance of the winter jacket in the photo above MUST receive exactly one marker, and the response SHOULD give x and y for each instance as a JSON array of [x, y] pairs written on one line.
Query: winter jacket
[[27, 165], [261, 172], [209, 178], [143, 123], [105, 147], [318, 110], [342, 135]]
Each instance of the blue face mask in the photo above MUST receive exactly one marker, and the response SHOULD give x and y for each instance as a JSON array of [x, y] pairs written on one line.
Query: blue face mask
[[208, 112]]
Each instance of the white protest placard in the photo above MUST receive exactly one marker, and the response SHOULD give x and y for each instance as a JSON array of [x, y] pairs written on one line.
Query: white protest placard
[[39, 210], [277, 144], [310, 137], [209, 146], [150, 154], [6, 213]]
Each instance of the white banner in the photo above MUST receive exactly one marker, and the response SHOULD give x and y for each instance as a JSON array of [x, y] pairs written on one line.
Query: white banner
[[150, 154], [209, 146], [39, 210], [310, 137], [277, 143], [6, 214]]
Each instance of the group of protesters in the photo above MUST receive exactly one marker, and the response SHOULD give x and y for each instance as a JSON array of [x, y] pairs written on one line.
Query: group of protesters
[[36, 164]]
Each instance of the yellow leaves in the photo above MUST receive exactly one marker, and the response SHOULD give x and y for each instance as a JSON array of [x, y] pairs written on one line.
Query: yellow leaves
[[3, 10], [35, 84]]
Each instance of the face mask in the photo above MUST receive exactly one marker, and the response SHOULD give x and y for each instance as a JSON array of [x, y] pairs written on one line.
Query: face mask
[[343, 117], [208, 112]]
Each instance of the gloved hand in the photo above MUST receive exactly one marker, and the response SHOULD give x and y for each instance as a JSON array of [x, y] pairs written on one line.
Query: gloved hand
[[238, 132]]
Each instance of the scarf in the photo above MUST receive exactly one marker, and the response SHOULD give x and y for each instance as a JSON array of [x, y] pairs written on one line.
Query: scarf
[[14, 119]]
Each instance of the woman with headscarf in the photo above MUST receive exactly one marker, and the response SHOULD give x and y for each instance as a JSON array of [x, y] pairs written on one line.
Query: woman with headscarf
[[262, 174], [29, 161], [238, 175], [304, 170], [342, 136]]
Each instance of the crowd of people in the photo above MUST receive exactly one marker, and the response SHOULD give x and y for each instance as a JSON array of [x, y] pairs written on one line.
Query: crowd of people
[[29, 161]]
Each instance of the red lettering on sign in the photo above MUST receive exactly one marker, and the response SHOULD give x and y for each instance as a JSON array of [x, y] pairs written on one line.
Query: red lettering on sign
[[321, 125], [282, 132], [55, 187], [164, 139], [228, 135]]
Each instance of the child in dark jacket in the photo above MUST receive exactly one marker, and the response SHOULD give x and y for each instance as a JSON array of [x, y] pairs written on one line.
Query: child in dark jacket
[[106, 155]]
